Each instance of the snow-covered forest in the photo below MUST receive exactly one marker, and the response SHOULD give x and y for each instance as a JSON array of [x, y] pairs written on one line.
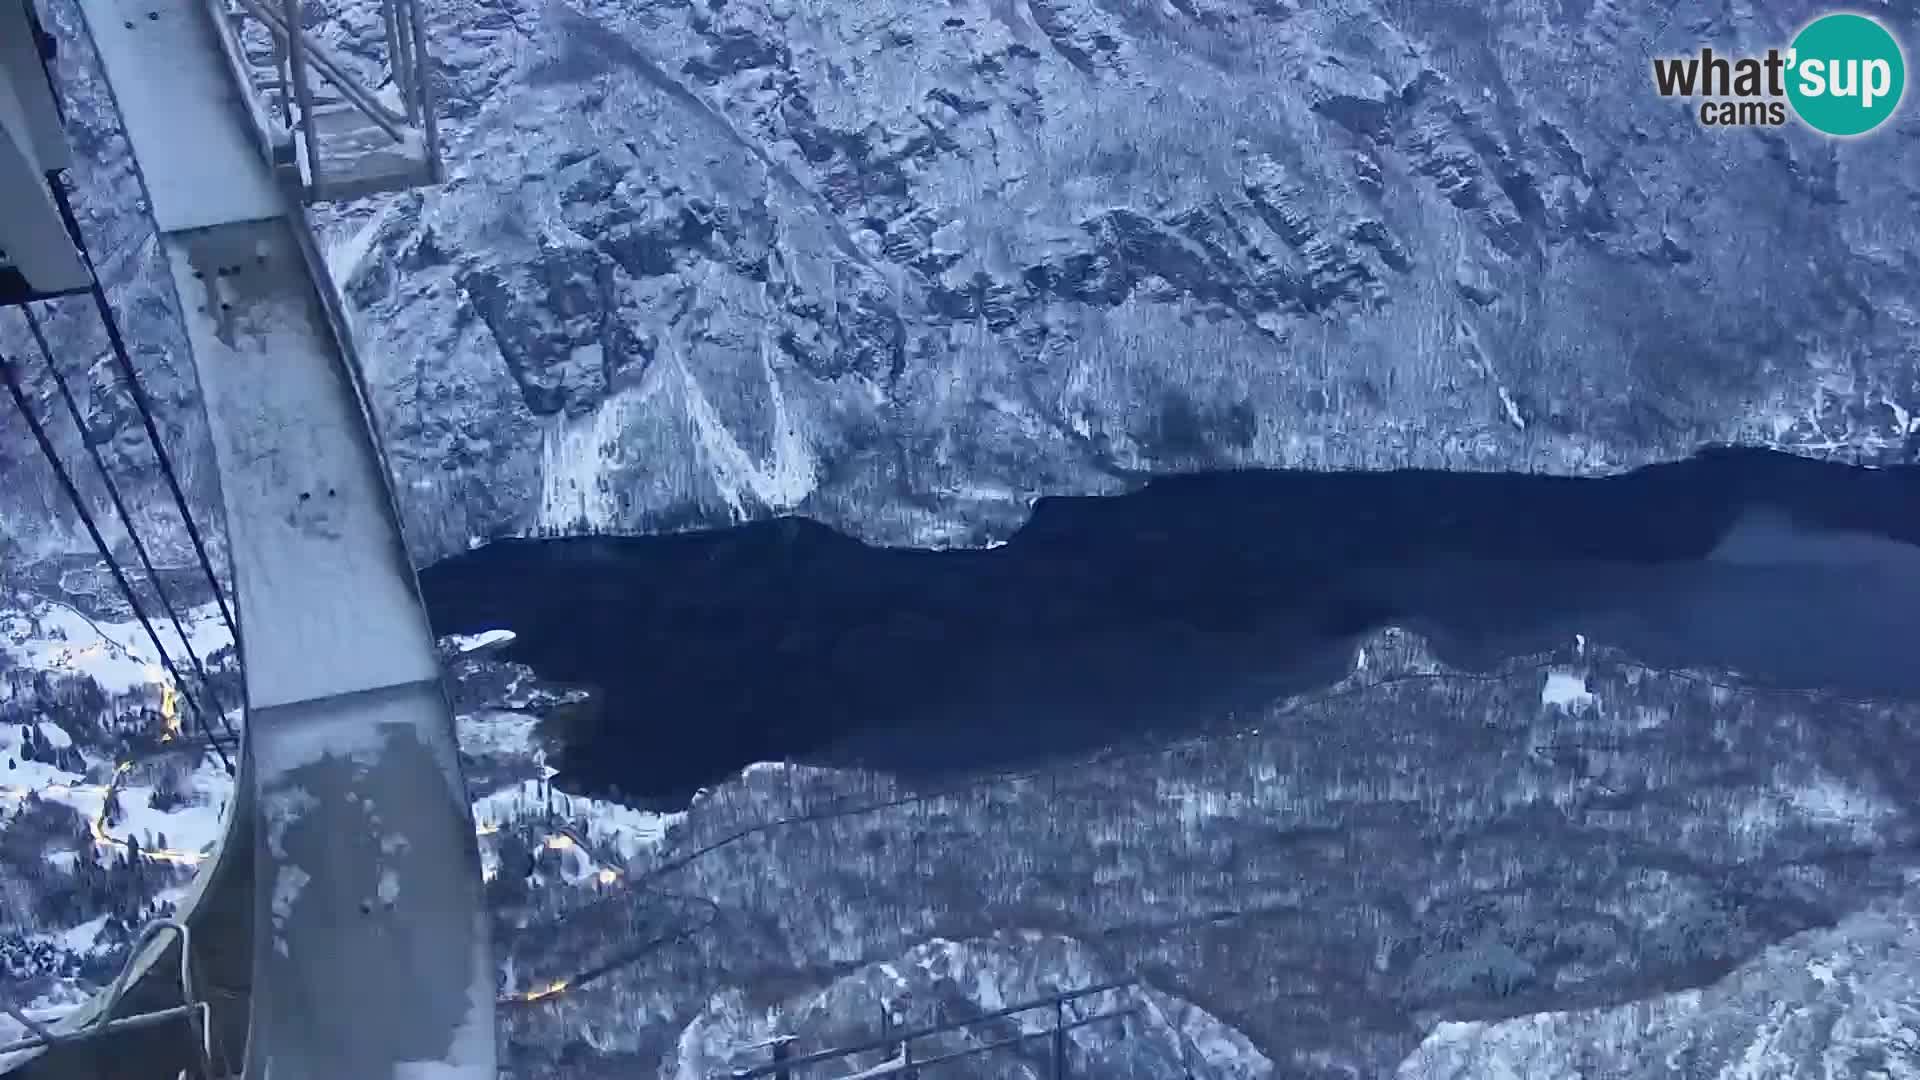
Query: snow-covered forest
[[1304, 894]]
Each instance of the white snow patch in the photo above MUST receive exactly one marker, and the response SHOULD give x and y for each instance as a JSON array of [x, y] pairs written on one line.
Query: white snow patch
[[497, 732], [389, 888], [1828, 801], [573, 453], [1566, 690], [470, 1056], [83, 938], [787, 480], [1904, 422], [893, 1066], [611, 829], [194, 826], [55, 735], [286, 891], [1513, 411], [190, 828], [344, 259], [118, 656], [281, 809], [347, 735], [485, 639], [44, 1010], [30, 776]]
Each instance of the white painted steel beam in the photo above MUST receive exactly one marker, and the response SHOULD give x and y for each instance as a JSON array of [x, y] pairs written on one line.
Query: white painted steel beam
[[33, 241], [350, 877]]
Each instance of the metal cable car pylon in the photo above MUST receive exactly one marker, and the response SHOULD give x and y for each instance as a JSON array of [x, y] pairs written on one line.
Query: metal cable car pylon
[[340, 932]]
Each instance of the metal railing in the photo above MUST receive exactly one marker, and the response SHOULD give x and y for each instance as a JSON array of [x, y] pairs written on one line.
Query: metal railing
[[194, 1009], [905, 1065], [322, 129]]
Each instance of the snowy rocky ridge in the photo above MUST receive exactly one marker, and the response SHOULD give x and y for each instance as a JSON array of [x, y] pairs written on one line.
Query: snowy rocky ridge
[[902, 267], [1314, 895], [1620, 867]]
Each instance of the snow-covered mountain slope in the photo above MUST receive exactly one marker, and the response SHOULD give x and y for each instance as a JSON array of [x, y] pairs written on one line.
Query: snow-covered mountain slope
[[939, 980], [902, 266], [1612, 858], [1418, 845], [1840, 1001]]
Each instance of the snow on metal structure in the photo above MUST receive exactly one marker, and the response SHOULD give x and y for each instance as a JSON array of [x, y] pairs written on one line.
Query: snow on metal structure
[[340, 928], [316, 121], [308, 114], [898, 1044]]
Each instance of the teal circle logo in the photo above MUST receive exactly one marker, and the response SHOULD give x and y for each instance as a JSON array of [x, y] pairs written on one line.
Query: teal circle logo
[[1846, 74]]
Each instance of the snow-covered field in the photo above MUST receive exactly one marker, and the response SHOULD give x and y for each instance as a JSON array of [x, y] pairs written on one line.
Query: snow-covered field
[[105, 766], [49, 636], [96, 763]]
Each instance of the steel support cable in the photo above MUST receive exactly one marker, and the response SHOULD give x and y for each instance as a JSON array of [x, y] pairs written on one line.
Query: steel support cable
[[140, 402], [126, 519], [11, 377]]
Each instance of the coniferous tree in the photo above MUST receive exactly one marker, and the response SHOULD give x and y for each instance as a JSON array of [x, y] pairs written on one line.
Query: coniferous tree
[[509, 886], [167, 793]]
